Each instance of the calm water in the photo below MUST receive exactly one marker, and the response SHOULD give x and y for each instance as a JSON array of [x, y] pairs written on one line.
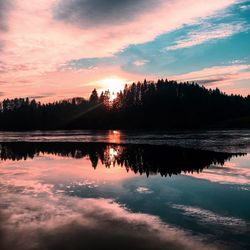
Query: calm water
[[120, 190]]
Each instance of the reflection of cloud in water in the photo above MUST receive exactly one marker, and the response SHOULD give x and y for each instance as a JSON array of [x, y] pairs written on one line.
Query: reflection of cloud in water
[[55, 221], [206, 216], [36, 214], [84, 183], [144, 190], [27, 187], [232, 172], [73, 223]]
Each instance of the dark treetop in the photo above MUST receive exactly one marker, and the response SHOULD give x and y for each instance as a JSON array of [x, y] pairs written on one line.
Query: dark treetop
[[148, 105], [142, 159]]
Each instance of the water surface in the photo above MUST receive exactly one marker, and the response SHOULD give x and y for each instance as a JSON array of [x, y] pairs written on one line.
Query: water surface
[[113, 190]]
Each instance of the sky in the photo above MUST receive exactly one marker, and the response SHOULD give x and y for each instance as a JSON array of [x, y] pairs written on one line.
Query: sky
[[57, 49]]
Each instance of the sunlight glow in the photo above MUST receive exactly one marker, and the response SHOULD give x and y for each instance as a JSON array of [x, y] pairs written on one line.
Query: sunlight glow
[[114, 85]]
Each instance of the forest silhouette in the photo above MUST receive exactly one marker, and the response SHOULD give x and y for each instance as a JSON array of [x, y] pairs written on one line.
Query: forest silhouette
[[140, 159], [144, 105]]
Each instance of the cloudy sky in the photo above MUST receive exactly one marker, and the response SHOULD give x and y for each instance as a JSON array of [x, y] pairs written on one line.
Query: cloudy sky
[[55, 49]]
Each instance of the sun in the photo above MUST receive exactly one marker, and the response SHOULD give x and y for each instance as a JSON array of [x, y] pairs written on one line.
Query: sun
[[114, 85]]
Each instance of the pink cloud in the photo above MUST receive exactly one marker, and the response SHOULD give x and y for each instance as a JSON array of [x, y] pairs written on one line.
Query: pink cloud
[[37, 45], [235, 171], [63, 221], [62, 83], [223, 77], [37, 212]]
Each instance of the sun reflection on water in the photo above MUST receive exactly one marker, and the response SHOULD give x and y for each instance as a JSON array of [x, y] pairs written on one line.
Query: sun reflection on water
[[112, 154], [114, 136]]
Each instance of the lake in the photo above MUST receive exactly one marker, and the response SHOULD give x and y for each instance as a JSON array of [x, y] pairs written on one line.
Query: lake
[[125, 190]]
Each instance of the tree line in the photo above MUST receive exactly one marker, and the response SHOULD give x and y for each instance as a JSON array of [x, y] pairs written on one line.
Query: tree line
[[140, 159], [144, 105]]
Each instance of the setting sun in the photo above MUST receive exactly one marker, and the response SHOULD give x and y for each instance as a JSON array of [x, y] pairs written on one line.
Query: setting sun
[[114, 85]]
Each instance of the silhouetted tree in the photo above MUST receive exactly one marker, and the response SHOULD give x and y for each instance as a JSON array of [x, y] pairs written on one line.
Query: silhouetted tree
[[141, 159], [163, 104], [94, 99]]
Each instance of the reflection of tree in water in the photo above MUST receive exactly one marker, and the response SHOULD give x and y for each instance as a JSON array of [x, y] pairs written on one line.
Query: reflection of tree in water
[[148, 159]]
